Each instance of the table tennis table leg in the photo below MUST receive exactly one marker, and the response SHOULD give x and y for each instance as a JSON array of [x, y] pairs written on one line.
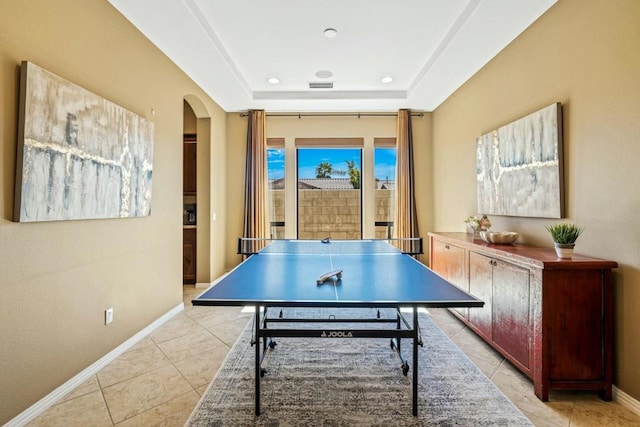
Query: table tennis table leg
[[396, 343], [416, 341], [258, 361], [398, 340]]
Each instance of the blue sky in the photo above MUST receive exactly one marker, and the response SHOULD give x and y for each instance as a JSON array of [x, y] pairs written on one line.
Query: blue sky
[[384, 163], [310, 158]]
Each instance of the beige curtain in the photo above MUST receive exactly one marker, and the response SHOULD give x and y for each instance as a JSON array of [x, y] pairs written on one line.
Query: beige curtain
[[406, 221], [256, 220]]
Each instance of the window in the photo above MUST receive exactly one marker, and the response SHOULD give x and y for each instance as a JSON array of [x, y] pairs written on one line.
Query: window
[[329, 194], [276, 193], [385, 176]]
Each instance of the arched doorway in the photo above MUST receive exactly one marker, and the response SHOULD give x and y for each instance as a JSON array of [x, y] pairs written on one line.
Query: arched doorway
[[196, 192]]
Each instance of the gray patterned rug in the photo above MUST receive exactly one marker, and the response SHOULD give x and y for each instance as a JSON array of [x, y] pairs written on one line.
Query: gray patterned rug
[[357, 382]]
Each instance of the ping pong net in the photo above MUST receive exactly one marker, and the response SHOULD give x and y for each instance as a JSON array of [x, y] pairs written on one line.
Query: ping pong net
[[251, 246]]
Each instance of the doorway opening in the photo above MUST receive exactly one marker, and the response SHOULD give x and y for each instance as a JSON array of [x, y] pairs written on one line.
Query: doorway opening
[[189, 195]]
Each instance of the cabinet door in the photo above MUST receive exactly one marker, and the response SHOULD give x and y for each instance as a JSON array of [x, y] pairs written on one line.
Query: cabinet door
[[448, 261], [189, 168], [481, 286], [511, 322], [189, 256]]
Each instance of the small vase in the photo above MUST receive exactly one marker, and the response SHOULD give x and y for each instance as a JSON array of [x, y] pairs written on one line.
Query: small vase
[[564, 250], [476, 231]]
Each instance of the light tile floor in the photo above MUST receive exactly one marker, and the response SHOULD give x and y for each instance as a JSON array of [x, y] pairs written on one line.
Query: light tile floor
[[159, 381]]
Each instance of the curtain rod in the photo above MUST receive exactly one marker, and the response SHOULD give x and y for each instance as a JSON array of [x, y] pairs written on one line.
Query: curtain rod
[[358, 115]]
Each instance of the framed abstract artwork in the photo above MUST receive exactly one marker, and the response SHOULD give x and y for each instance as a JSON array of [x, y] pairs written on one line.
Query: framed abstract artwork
[[79, 156], [519, 167]]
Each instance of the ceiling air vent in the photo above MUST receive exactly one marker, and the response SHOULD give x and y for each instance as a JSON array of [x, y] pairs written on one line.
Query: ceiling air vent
[[320, 85]]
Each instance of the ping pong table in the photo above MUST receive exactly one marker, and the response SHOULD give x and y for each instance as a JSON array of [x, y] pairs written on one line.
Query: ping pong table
[[338, 274]]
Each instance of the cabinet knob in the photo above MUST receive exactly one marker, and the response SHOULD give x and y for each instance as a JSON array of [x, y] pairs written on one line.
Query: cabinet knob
[[446, 247]]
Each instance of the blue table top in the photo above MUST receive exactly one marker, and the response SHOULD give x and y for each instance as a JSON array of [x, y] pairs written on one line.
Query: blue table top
[[374, 273]]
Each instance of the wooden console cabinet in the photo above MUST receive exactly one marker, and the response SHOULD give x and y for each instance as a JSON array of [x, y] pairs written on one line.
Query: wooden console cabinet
[[552, 318]]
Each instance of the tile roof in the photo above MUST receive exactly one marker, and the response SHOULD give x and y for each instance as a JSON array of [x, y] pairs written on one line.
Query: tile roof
[[325, 183], [329, 184]]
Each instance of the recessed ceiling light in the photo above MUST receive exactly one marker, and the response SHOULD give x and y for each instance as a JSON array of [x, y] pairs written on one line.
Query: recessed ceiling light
[[323, 74], [273, 80], [387, 79], [330, 33]]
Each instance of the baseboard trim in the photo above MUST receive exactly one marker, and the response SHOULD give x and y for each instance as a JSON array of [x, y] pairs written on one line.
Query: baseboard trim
[[625, 400], [52, 398]]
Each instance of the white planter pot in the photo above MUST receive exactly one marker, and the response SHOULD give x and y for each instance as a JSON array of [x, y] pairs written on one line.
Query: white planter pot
[[564, 250]]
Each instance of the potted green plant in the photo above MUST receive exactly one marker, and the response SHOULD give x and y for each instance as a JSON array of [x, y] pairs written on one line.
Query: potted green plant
[[564, 237]]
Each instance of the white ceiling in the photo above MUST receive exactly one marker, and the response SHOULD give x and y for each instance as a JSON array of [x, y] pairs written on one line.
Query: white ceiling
[[231, 47]]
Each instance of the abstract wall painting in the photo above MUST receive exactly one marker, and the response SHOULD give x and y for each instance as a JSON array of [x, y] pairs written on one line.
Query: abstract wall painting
[[519, 167], [79, 156]]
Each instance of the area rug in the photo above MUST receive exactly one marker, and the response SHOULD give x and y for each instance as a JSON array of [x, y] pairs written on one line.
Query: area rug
[[353, 382]]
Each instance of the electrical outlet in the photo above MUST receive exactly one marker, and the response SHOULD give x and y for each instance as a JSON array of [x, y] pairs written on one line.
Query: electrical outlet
[[108, 316]]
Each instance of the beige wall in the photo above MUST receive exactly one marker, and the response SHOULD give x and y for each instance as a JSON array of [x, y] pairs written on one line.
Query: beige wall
[[291, 128], [57, 278], [212, 137], [189, 120], [584, 54], [235, 167]]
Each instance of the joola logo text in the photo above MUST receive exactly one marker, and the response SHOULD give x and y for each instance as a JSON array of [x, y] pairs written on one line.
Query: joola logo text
[[336, 334]]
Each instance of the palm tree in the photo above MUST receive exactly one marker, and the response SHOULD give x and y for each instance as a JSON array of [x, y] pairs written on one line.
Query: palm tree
[[324, 170], [354, 174]]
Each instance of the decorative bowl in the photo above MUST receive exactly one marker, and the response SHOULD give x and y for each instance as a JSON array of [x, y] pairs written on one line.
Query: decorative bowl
[[499, 237]]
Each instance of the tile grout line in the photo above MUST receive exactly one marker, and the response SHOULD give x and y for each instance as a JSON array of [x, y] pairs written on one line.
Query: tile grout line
[[104, 399], [169, 362], [137, 375]]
